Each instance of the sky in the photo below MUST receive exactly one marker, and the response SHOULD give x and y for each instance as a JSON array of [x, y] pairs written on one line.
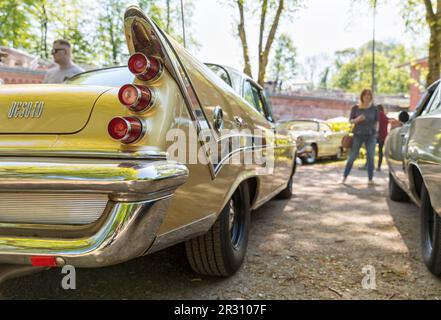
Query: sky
[[320, 28]]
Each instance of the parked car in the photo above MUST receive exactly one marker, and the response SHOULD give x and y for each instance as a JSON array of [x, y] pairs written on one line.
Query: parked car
[[315, 139], [245, 86], [87, 177], [413, 153]]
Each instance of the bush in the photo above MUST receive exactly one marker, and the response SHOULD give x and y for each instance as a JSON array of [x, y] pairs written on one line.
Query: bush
[[340, 126]]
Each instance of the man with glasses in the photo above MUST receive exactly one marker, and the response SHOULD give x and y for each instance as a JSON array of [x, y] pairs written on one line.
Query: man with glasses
[[62, 53]]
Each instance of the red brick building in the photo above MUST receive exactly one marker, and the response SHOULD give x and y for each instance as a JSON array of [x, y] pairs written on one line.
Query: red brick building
[[319, 106], [19, 67], [287, 107], [418, 84]]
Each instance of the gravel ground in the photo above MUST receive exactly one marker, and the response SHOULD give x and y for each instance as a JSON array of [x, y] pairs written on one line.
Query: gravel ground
[[314, 246]]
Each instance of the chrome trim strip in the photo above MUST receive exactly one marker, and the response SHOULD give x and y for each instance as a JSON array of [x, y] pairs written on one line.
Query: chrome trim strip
[[125, 181], [138, 155], [262, 201], [184, 233]]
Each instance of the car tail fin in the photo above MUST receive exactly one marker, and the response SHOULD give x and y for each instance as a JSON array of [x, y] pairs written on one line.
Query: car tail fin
[[145, 39]]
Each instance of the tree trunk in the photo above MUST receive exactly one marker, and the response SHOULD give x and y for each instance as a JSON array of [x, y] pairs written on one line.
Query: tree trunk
[[272, 34], [262, 29], [433, 19], [434, 56], [243, 39], [44, 31], [168, 16]]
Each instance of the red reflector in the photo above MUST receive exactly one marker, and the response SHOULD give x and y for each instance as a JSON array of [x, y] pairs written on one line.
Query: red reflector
[[136, 98], [145, 68], [138, 63], [127, 130], [118, 128], [43, 261], [128, 95]]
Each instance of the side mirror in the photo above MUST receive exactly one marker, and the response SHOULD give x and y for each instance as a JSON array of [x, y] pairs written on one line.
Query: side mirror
[[404, 117]]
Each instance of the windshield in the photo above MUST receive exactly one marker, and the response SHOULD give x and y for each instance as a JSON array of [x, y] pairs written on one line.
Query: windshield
[[113, 77], [304, 126]]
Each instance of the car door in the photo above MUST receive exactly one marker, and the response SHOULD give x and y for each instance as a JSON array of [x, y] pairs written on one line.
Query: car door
[[399, 139], [278, 151], [330, 145]]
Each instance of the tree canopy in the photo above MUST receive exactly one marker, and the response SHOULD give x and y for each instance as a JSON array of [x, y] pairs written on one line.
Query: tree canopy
[[94, 29], [353, 69]]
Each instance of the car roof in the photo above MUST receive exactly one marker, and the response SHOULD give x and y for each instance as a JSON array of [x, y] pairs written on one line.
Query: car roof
[[303, 120], [237, 72], [227, 68], [98, 70]]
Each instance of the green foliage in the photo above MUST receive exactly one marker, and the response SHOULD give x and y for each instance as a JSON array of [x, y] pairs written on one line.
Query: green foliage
[[95, 29], [354, 69], [15, 27], [168, 16], [110, 38], [73, 24], [284, 63], [340, 126]]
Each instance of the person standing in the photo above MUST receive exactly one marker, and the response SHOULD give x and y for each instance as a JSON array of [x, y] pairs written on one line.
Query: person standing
[[364, 118], [62, 54], [383, 121]]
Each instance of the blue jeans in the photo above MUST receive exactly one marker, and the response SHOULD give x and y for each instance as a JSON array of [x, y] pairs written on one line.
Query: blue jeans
[[370, 142]]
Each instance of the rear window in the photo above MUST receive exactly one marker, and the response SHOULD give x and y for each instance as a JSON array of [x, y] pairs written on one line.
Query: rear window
[[114, 77]]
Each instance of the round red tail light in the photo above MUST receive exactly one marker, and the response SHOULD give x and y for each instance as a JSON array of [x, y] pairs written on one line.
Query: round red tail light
[[127, 130], [145, 68], [136, 98]]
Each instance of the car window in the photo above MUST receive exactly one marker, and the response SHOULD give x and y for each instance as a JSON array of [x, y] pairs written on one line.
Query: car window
[[113, 77], [325, 127], [220, 72], [258, 103], [304, 126], [424, 103], [434, 104], [248, 93]]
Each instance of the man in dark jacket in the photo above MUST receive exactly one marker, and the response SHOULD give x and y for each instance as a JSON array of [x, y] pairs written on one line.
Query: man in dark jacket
[[383, 124]]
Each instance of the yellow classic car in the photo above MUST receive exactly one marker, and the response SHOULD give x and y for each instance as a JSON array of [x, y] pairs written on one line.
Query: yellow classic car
[[122, 162], [315, 139], [413, 153]]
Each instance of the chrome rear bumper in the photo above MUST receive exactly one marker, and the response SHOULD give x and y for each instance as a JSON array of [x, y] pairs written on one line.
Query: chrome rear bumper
[[139, 194], [122, 180]]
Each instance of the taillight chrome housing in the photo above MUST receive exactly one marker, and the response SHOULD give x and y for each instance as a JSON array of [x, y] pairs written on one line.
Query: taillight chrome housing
[[126, 129], [145, 68], [137, 98]]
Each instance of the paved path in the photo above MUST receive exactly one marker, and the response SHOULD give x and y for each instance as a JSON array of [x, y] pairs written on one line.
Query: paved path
[[314, 246]]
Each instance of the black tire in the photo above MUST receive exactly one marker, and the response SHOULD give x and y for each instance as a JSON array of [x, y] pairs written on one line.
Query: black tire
[[312, 157], [430, 234], [340, 154], [395, 192], [221, 251]]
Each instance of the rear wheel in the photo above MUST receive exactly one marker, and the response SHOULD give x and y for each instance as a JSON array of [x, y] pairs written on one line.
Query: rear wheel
[[312, 157], [340, 154], [430, 234], [395, 192], [221, 251]]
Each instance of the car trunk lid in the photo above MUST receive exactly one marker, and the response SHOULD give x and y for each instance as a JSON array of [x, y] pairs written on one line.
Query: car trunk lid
[[46, 109]]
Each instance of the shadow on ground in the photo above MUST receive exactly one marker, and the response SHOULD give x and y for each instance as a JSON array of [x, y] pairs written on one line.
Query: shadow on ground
[[313, 246]]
